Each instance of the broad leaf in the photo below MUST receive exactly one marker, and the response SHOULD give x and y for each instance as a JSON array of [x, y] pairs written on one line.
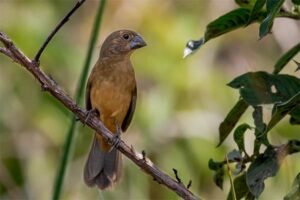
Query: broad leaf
[[218, 167], [294, 193], [285, 58], [228, 22], [258, 88], [267, 165], [273, 7], [295, 115], [238, 136], [260, 127], [281, 110], [245, 3], [257, 115], [270, 4], [264, 166], [231, 119], [259, 4]]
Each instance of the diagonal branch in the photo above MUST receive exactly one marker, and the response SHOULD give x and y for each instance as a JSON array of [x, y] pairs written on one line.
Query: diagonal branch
[[7, 53], [59, 25], [48, 84]]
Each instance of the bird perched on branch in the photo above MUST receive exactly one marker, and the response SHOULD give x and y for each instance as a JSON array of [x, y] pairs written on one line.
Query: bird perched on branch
[[111, 92]]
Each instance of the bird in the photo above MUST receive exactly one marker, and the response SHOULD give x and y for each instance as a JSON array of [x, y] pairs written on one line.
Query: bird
[[111, 93]]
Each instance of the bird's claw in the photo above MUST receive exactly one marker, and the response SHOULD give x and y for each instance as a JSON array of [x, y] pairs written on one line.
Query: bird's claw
[[115, 142], [91, 112]]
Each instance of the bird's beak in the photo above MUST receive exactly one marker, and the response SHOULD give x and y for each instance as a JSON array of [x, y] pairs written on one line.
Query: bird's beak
[[137, 42]]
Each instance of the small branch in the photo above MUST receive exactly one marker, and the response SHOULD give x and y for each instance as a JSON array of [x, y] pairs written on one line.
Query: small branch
[[179, 180], [288, 15], [59, 25], [189, 184], [93, 122], [144, 155], [176, 176]]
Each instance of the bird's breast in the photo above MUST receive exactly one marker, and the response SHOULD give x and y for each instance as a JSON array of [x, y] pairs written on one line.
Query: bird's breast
[[111, 94]]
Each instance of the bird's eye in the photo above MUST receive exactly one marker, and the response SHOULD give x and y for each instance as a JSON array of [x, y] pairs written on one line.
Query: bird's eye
[[126, 36]]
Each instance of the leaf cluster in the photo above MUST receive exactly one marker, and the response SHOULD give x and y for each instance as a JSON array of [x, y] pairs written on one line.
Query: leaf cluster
[[257, 90]]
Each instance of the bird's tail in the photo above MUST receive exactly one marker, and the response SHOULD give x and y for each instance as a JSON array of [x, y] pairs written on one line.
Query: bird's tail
[[102, 168]]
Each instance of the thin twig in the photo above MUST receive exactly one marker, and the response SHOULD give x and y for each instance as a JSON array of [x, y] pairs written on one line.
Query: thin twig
[[59, 25], [288, 15], [189, 184], [56, 91], [71, 134], [176, 175], [144, 155]]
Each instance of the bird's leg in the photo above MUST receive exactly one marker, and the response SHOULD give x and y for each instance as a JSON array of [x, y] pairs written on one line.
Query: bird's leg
[[91, 112], [116, 138]]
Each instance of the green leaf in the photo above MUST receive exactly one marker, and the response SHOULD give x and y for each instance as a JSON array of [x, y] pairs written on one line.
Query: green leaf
[[259, 4], [264, 166], [240, 187], [219, 177], [214, 165], [218, 167], [270, 4], [296, 2], [267, 165], [273, 7], [285, 58], [295, 116], [260, 127], [231, 119], [257, 115], [245, 3], [294, 193], [250, 197], [226, 23], [238, 136], [258, 88], [281, 110]]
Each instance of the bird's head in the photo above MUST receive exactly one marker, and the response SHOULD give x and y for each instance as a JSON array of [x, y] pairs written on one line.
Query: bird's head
[[121, 43]]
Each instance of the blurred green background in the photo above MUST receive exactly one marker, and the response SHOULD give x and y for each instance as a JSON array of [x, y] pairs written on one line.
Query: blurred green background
[[180, 101]]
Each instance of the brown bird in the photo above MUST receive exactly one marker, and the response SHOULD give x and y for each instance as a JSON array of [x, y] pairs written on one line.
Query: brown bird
[[111, 92]]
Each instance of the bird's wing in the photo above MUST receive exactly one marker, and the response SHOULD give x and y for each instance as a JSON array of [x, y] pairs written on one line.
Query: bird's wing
[[88, 104], [130, 111]]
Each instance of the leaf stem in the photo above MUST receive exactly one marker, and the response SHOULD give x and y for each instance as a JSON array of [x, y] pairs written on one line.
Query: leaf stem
[[230, 178]]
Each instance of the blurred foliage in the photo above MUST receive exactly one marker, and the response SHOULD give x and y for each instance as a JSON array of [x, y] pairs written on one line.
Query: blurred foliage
[[180, 102]]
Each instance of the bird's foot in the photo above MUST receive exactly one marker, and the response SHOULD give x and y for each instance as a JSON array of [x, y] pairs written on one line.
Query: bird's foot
[[115, 142], [91, 112]]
